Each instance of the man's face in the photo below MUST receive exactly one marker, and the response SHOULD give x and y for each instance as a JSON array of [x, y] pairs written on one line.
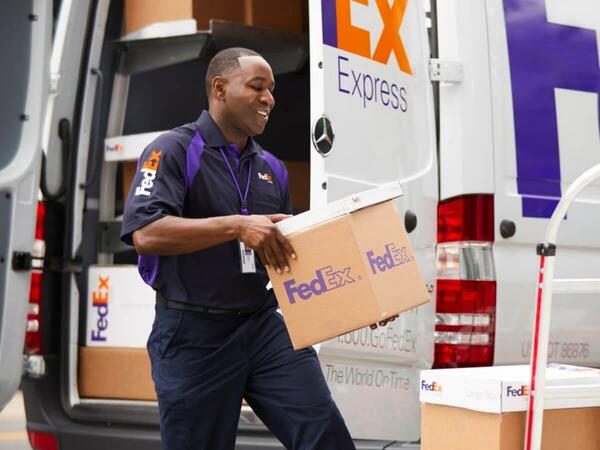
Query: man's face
[[249, 95]]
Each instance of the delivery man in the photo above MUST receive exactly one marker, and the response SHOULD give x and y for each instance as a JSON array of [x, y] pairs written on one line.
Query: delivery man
[[204, 202]]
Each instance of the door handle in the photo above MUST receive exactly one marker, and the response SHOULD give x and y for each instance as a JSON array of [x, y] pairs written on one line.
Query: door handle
[[410, 221], [507, 228]]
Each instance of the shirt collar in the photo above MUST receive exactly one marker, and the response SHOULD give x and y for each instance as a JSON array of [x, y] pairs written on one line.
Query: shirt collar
[[213, 137]]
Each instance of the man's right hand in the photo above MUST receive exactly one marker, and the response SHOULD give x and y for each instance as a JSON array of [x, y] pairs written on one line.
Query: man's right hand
[[259, 233]]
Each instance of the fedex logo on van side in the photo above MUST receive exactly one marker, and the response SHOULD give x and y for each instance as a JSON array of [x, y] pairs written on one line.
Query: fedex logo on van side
[[338, 31], [434, 386], [519, 391], [391, 257], [379, 86], [100, 298], [543, 57], [326, 279]]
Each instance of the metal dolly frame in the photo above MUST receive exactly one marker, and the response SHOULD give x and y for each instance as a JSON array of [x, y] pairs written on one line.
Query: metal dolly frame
[[547, 286]]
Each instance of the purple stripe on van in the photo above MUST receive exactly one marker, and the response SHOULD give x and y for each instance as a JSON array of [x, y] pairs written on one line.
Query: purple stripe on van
[[148, 268], [193, 156], [543, 56], [278, 170], [329, 22]]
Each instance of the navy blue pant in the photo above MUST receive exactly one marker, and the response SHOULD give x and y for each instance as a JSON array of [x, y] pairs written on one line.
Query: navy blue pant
[[204, 364]]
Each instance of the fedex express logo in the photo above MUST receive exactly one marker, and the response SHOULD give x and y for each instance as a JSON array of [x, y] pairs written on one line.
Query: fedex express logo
[[326, 279], [391, 257], [340, 32], [380, 85], [148, 170], [520, 391], [434, 386], [100, 298]]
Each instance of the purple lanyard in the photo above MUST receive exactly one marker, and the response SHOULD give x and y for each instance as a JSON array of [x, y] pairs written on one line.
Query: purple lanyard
[[244, 207]]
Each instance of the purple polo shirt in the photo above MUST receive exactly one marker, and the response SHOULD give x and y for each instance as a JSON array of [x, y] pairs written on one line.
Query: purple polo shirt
[[182, 173]]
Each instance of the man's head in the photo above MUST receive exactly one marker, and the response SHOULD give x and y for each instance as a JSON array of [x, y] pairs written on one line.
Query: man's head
[[239, 85]]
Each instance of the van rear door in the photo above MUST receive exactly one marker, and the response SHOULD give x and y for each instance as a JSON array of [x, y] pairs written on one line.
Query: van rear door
[[546, 134], [25, 30], [373, 123]]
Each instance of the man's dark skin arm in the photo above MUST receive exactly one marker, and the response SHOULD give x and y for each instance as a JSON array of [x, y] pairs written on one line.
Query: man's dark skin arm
[[173, 235]]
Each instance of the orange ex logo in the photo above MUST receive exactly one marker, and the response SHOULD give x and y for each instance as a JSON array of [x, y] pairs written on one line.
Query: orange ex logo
[[338, 31], [148, 171]]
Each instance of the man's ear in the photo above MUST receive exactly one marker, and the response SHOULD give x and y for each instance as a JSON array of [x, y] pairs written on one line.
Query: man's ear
[[219, 87]]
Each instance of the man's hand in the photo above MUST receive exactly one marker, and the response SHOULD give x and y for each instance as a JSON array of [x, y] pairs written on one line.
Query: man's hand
[[261, 235], [384, 322]]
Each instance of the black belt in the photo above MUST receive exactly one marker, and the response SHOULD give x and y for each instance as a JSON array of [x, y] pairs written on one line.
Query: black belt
[[183, 306]]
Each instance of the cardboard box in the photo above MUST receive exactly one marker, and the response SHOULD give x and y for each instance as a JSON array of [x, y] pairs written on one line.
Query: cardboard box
[[141, 13], [355, 267], [450, 428], [128, 169], [299, 183], [493, 401], [120, 307], [115, 373], [270, 14], [259, 13], [205, 10]]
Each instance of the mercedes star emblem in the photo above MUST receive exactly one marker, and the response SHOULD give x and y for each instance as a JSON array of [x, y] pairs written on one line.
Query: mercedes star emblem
[[323, 136]]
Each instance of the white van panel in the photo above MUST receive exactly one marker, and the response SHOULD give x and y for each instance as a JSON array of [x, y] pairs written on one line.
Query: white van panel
[[574, 327], [466, 147], [545, 134]]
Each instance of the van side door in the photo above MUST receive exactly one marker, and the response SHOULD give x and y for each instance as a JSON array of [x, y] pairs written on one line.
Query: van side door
[[372, 119], [25, 30]]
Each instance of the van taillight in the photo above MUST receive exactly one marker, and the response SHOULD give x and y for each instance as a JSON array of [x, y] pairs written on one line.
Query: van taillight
[[42, 441], [466, 282], [33, 341]]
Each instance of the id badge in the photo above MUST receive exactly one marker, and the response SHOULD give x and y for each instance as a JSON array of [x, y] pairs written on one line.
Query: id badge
[[247, 259]]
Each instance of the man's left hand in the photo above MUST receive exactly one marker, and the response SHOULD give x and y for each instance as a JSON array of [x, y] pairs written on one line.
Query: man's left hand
[[383, 322]]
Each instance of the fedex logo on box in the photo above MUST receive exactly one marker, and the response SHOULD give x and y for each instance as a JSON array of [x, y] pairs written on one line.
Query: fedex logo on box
[[100, 298], [392, 257], [520, 391], [326, 279], [434, 386]]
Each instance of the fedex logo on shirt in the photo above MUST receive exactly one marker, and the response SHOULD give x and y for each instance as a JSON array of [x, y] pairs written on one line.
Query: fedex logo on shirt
[[326, 279], [392, 257], [339, 30], [148, 170], [265, 177], [100, 298]]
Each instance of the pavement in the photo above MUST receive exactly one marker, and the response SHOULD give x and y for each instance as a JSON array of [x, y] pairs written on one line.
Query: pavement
[[12, 425]]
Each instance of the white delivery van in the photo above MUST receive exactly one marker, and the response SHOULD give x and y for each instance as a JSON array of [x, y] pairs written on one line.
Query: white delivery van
[[484, 111]]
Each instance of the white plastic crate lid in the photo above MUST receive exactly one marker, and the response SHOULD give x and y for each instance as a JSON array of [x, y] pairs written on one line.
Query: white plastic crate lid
[[163, 29], [340, 207], [128, 147], [501, 389]]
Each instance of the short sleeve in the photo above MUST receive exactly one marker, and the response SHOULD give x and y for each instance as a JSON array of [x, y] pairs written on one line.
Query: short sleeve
[[158, 188]]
